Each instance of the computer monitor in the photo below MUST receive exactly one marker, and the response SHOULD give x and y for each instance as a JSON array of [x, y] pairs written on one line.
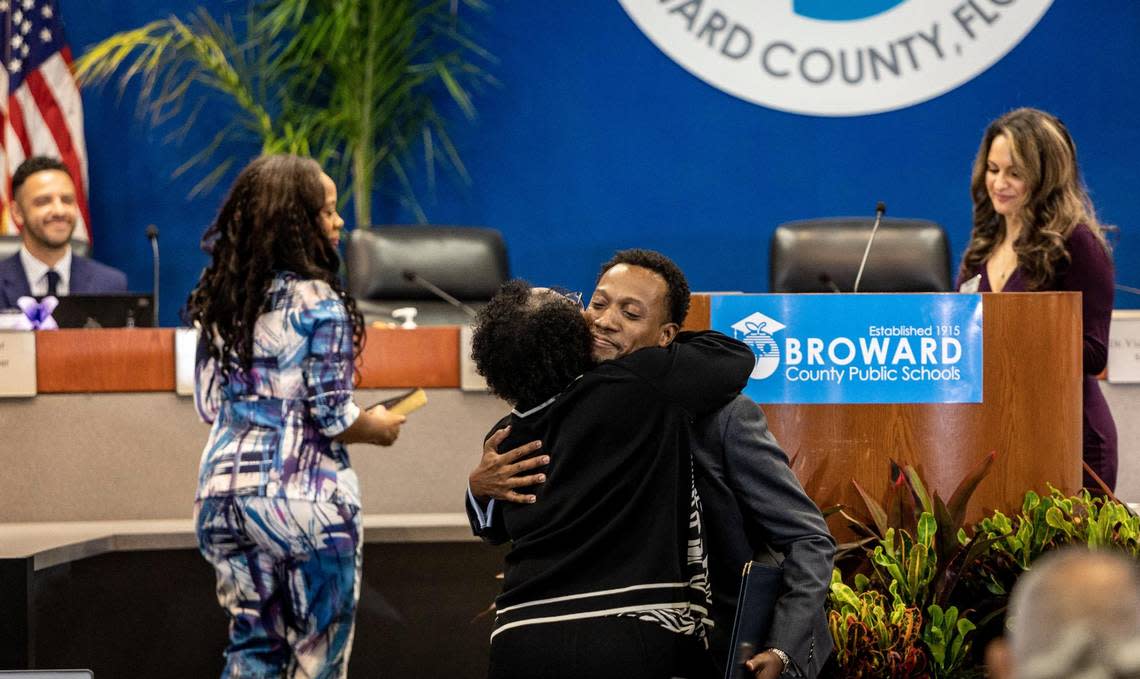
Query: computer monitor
[[128, 310]]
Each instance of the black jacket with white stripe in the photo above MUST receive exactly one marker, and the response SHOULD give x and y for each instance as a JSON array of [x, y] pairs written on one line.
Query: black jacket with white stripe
[[610, 532]]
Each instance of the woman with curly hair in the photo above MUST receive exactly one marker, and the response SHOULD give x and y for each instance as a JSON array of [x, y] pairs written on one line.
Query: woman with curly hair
[[277, 510], [1035, 229], [606, 575]]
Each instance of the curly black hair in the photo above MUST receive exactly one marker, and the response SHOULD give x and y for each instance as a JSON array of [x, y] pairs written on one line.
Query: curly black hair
[[676, 287], [529, 346], [269, 223]]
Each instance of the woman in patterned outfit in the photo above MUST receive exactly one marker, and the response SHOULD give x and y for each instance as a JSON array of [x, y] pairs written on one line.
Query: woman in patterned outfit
[[278, 507]]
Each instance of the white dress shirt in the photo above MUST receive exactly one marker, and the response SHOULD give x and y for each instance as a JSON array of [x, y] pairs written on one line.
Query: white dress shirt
[[37, 271]]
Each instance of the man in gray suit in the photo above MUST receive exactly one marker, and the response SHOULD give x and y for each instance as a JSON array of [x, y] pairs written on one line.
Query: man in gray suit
[[752, 501]]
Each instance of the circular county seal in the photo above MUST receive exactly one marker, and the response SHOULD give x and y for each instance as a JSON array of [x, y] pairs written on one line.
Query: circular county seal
[[831, 57]]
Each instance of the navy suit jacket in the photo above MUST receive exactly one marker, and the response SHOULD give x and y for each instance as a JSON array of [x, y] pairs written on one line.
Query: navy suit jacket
[[88, 277]]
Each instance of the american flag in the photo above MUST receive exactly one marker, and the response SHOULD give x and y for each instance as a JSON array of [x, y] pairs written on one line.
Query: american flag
[[42, 113]]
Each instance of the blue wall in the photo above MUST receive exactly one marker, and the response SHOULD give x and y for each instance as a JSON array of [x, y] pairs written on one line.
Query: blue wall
[[597, 141]]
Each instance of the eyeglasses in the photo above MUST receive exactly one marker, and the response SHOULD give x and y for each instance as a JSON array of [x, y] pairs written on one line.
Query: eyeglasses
[[573, 296]]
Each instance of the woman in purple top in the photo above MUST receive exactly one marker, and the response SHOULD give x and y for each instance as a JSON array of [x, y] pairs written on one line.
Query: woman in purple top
[[1035, 229]]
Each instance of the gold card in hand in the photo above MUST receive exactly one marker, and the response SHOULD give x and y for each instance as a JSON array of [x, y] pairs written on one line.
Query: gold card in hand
[[405, 403]]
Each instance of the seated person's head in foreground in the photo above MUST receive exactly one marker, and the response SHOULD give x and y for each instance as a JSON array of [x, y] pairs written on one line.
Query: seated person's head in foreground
[[530, 344], [1075, 614]]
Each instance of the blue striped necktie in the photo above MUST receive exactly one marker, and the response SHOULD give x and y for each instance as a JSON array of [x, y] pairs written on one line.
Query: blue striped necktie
[[53, 282]]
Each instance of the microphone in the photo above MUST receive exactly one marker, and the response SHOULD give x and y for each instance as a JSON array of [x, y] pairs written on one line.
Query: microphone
[[1126, 288], [880, 210], [828, 282], [413, 277], [152, 236]]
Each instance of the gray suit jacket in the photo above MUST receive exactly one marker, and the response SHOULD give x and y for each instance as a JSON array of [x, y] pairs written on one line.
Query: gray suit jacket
[[752, 502]]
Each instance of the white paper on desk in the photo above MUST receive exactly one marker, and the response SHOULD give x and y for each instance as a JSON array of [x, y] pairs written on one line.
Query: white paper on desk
[[469, 378], [185, 346], [1124, 346], [17, 363]]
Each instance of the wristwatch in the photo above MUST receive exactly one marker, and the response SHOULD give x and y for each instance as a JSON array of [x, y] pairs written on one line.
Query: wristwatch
[[783, 658]]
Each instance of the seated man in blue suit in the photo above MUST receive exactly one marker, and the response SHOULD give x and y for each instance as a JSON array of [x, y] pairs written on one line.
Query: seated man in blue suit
[[753, 503], [44, 208]]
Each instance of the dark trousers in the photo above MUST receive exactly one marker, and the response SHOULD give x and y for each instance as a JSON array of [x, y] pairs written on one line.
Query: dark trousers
[[597, 648]]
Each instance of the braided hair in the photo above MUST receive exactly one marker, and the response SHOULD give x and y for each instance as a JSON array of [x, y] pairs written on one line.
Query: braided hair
[[269, 223]]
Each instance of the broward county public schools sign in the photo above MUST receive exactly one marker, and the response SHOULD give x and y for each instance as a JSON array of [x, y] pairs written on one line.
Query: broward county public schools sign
[[883, 348], [836, 57]]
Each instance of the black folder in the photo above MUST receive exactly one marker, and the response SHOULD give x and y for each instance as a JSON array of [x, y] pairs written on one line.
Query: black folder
[[760, 587]]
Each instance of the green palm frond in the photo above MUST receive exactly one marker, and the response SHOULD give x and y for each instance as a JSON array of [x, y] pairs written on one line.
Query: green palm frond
[[352, 83]]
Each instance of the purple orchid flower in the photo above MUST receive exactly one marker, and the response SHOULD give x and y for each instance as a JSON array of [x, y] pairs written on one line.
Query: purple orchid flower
[[39, 313]]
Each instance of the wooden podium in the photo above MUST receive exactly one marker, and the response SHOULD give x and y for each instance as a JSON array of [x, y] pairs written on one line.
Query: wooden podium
[[1030, 415]]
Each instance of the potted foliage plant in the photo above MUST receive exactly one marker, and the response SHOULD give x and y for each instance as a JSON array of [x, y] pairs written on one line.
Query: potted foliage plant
[[922, 592], [357, 84]]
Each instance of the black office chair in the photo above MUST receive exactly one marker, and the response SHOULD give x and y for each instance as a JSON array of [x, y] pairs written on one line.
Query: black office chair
[[469, 263], [823, 255]]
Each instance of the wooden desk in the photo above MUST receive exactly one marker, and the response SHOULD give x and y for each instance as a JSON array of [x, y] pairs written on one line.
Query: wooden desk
[[96, 502], [112, 454], [65, 588]]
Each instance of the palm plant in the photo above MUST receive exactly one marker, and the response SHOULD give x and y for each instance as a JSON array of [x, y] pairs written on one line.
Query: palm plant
[[353, 83]]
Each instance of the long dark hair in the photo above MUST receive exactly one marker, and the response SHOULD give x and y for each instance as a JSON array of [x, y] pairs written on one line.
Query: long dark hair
[[269, 223], [1057, 201]]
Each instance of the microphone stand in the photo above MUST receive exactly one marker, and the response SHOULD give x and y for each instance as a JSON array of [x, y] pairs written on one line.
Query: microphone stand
[[419, 280], [880, 209], [827, 281], [152, 236]]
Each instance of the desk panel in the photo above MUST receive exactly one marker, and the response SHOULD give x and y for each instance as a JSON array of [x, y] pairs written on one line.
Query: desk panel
[[142, 359], [102, 457], [109, 359]]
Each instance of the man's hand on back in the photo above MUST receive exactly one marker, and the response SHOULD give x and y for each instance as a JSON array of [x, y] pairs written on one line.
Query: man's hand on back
[[498, 475]]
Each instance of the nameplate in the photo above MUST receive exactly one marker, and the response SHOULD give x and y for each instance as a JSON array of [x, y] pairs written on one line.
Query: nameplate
[[17, 363], [185, 348], [1124, 346], [879, 348]]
